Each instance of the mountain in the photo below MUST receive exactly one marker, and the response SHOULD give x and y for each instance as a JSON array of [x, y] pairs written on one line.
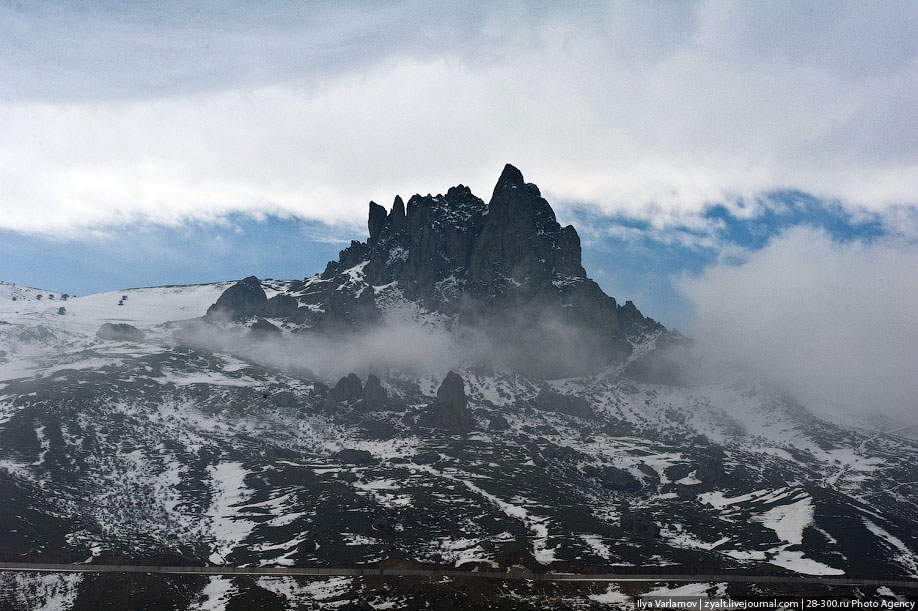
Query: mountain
[[452, 393], [505, 271]]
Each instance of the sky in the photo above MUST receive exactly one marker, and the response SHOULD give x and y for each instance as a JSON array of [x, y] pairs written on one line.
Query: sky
[[698, 147]]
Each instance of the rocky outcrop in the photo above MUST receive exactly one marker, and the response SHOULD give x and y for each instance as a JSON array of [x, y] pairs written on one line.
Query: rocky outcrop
[[521, 242], [450, 410], [245, 298], [374, 395], [507, 272], [639, 524], [348, 390], [120, 332], [279, 306], [351, 456], [613, 478], [551, 401], [263, 330], [498, 423]]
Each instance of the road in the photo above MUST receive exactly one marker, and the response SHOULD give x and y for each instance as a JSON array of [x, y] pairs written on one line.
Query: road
[[512, 575]]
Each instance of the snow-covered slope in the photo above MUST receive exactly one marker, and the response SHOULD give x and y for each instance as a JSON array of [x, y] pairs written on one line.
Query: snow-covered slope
[[127, 451]]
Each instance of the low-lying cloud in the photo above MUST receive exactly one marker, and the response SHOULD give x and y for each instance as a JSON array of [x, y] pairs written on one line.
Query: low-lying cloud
[[834, 324]]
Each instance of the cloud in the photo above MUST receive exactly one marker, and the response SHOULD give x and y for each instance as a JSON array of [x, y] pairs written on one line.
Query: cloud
[[170, 113], [833, 323]]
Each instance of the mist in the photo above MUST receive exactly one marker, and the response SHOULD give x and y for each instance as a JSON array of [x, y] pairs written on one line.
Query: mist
[[403, 347], [833, 324], [532, 340]]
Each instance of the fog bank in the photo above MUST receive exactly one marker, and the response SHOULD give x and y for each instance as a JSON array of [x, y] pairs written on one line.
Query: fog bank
[[834, 324]]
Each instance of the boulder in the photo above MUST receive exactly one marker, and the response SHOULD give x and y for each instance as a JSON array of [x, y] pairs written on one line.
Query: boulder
[[638, 524], [551, 401], [351, 456], [120, 332], [498, 423], [245, 298], [613, 478], [425, 458]]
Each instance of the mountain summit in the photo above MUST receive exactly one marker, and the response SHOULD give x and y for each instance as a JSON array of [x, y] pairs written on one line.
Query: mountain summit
[[505, 272]]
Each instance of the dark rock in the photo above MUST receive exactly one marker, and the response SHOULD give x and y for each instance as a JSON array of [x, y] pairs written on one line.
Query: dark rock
[[374, 395], [62, 310], [285, 399], [613, 478], [308, 546], [710, 470], [279, 306], [264, 330], [677, 472], [426, 458], [648, 471], [551, 401], [377, 220], [381, 523], [639, 524], [245, 298], [450, 410], [498, 423], [507, 271], [355, 457], [348, 389], [120, 332]]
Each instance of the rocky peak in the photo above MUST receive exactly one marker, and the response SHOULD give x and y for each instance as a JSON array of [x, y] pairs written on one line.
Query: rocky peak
[[506, 270], [376, 221], [521, 241]]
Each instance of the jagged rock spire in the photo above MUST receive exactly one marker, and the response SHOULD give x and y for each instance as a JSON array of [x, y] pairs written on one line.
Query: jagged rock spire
[[506, 270]]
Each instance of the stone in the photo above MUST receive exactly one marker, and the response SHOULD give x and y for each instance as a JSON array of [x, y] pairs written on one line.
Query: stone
[[449, 411], [374, 395], [279, 306], [498, 423], [348, 389], [639, 524], [351, 456], [613, 478], [243, 299], [120, 332], [263, 330], [551, 401]]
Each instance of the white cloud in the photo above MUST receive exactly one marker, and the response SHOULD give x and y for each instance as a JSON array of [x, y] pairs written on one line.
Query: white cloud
[[645, 109], [832, 323]]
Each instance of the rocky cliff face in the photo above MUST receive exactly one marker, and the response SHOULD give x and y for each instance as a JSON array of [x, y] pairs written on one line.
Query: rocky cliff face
[[506, 273]]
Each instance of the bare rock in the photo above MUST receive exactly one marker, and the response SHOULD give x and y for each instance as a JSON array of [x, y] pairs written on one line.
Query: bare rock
[[551, 401], [348, 389], [120, 332], [450, 410], [351, 456], [245, 298], [374, 395]]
